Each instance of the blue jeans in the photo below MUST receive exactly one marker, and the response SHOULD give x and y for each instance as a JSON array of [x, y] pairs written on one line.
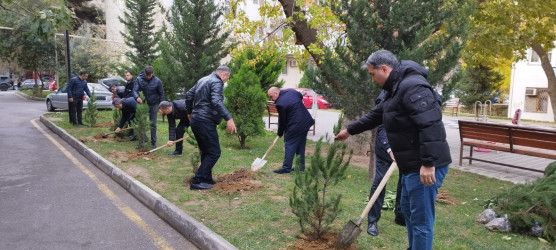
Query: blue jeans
[[153, 111], [293, 146], [209, 145], [418, 208], [381, 167]]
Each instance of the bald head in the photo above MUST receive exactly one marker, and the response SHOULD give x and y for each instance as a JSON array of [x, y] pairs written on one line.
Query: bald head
[[273, 93]]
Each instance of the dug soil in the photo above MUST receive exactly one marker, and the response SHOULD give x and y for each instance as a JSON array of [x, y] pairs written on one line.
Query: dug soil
[[241, 180], [98, 138], [126, 156], [104, 125], [327, 241]]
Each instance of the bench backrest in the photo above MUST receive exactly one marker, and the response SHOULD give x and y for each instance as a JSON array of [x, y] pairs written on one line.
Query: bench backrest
[[484, 132], [271, 108], [452, 103]]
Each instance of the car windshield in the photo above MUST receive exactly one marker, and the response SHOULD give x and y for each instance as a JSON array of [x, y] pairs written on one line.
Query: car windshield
[[109, 82], [96, 88]]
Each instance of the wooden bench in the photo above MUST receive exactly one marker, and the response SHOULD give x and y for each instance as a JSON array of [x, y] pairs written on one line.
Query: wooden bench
[[507, 138], [273, 112], [454, 105]]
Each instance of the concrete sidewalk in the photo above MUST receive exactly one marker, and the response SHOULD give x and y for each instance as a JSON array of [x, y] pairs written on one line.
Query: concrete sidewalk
[[325, 121]]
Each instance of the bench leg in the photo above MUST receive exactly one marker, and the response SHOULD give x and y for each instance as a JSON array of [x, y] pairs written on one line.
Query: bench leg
[[460, 153], [470, 154]]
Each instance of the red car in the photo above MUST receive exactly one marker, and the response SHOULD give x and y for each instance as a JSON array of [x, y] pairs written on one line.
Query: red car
[[322, 103]]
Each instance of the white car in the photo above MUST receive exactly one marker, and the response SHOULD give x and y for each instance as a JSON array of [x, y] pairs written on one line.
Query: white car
[[30, 84], [59, 99]]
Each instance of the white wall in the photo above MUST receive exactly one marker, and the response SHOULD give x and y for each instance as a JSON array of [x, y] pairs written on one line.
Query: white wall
[[527, 74]]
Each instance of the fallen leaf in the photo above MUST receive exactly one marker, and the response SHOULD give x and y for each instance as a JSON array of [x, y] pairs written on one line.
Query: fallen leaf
[[506, 237], [542, 240]]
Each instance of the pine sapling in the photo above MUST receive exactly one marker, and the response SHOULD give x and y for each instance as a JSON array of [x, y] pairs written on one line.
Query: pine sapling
[[142, 124], [91, 112]]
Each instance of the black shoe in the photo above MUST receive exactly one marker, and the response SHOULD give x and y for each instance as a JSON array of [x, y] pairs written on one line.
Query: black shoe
[[132, 138], [372, 230], [153, 145], [400, 220], [75, 124], [211, 182], [81, 124], [200, 186], [176, 153], [282, 171]]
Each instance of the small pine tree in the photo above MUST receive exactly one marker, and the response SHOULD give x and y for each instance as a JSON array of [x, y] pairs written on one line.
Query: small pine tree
[[195, 158], [141, 124], [91, 112], [338, 126], [116, 117], [246, 102], [310, 200]]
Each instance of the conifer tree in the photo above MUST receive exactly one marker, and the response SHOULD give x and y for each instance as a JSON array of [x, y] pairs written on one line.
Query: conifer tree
[[267, 65], [141, 124], [311, 201], [246, 102], [478, 83], [140, 36], [91, 112], [196, 42], [116, 117]]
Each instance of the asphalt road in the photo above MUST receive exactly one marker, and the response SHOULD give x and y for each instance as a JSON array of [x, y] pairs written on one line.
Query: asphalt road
[[53, 198]]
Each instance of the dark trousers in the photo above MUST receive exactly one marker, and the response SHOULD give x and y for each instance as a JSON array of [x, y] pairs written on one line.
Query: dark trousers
[[293, 146], [180, 130], [381, 167], [209, 145], [153, 111], [76, 109]]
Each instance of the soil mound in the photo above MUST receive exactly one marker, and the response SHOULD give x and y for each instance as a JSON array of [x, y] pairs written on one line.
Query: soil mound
[[104, 125], [126, 156], [327, 241], [239, 181], [445, 197]]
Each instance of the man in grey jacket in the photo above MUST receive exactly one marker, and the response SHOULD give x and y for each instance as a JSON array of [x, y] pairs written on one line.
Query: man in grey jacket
[[205, 110]]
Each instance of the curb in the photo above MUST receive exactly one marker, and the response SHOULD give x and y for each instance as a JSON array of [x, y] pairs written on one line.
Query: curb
[[191, 229], [28, 97]]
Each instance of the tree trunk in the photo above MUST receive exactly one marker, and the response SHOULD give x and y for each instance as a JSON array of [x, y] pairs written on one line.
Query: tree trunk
[[307, 36], [242, 141], [550, 76]]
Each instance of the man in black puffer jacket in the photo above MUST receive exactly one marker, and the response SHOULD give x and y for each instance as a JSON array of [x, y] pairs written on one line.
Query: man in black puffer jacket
[[77, 87], [205, 110], [154, 94], [175, 110], [412, 117]]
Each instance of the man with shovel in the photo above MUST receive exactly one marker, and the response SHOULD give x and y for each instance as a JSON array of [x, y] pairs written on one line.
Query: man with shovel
[[294, 121], [175, 110], [412, 117], [128, 107]]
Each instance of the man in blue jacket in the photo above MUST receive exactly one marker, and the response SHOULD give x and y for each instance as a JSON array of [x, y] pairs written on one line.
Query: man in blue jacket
[[294, 121], [77, 87], [205, 110], [383, 159], [154, 94], [412, 116], [175, 110]]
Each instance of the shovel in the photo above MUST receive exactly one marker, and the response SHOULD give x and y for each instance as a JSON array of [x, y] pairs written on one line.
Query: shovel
[[259, 163], [165, 145], [351, 230], [113, 132]]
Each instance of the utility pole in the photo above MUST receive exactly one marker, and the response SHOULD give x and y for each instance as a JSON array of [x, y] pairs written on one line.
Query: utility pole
[[68, 63]]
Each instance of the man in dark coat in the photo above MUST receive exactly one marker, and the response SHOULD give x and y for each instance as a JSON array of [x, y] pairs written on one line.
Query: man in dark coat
[[175, 110], [77, 87], [383, 159], [205, 110], [124, 91], [128, 106], [294, 121], [154, 94], [412, 116]]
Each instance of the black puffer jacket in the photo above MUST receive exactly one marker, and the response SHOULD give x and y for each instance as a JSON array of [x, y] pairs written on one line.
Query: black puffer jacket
[[152, 89], [178, 112], [412, 117], [205, 100]]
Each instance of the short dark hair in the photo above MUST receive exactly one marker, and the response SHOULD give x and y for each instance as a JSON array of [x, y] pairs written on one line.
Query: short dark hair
[[382, 57], [164, 105], [149, 70], [224, 69], [84, 72], [128, 71], [116, 101], [113, 86]]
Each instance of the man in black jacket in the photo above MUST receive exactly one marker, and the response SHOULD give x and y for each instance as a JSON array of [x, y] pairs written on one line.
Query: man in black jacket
[[383, 159], [121, 91], [77, 86], [205, 110], [128, 106], [154, 94], [175, 110], [294, 121], [412, 117]]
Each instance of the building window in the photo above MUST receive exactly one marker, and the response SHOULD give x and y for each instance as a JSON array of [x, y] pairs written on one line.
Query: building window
[[536, 59], [255, 1], [536, 100], [285, 71]]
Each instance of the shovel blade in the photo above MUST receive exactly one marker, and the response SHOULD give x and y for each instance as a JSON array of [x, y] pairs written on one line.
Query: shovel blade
[[347, 236], [257, 164]]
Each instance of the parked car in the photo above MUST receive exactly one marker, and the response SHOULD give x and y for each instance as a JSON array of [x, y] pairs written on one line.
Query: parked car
[[308, 94], [116, 80], [5, 83], [30, 84], [59, 99]]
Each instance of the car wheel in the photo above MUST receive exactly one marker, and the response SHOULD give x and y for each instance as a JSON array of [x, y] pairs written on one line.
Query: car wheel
[[49, 106]]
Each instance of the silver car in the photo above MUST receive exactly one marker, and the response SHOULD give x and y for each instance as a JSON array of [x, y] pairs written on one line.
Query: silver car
[[30, 84], [59, 99]]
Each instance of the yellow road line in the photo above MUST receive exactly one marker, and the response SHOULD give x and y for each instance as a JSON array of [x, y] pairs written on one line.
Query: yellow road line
[[126, 210]]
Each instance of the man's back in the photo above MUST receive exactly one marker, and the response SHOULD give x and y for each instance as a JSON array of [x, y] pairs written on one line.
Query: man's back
[[293, 117]]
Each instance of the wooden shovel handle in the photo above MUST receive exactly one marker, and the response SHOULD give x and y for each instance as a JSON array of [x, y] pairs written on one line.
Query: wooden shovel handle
[[378, 190], [271, 145], [123, 129], [165, 145]]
